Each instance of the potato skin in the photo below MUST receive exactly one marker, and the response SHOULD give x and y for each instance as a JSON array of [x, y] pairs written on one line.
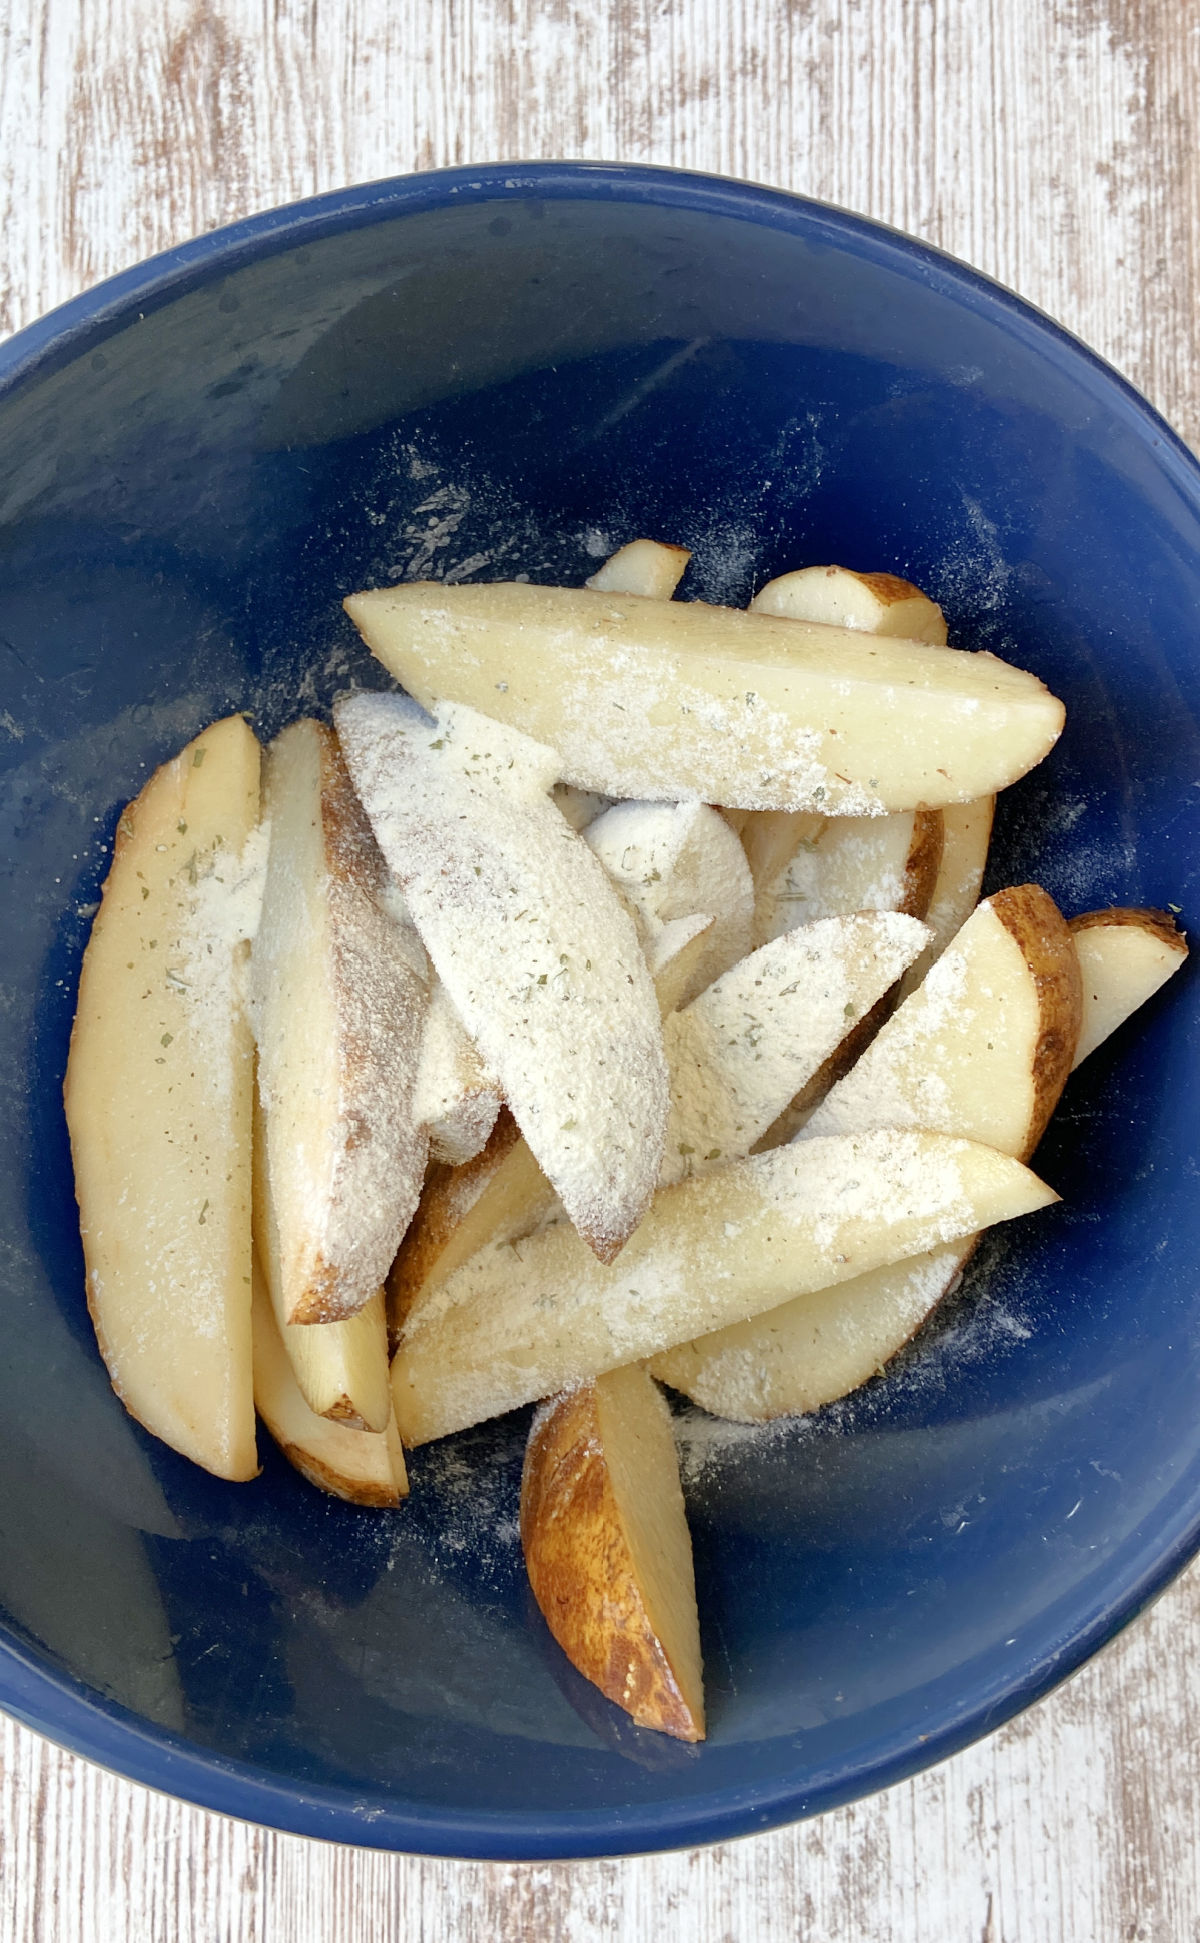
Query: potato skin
[[580, 1569], [1160, 924], [1034, 920]]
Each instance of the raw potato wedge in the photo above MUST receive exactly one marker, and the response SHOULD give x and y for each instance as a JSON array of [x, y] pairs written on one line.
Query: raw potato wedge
[[747, 1045], [503, 1195], [1124, 957], [525, 930], [340, 1368], [854, 863], [608, 1550], [816, 1347], [983, 1049], [645, 567], [668, 700], [361, 1466], [513, 1325], [339, 1000], [877, 603], [671, 860], [158, 1096], [455, 1098], [966, 834]]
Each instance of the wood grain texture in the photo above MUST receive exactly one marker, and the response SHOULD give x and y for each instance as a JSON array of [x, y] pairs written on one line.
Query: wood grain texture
[[1051, 142]]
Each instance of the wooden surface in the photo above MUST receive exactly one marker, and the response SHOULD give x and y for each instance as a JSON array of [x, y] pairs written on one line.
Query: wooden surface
[[1051, 142]]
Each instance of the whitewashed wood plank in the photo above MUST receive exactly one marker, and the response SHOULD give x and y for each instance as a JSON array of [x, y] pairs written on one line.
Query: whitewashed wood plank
[[1053, 143]]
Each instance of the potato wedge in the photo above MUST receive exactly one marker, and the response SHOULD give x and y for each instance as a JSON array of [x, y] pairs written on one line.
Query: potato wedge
[[361, 1466], [517, 1323], [538, 955], [1125, 955], [455, 1098], [877, 603], [646, 567], [816, 1347], [667, 700], [339, 1000], [608, 1550], [671, 860], [158, 1096], [747, 1045], [966, 834], [340, 1368], [982, 1049]]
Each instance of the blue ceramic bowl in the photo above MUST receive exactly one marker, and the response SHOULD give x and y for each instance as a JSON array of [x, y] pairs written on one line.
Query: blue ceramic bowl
[[502, 372]]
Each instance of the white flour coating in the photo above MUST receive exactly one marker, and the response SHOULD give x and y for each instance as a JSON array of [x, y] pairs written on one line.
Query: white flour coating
[[339, 1006], [455, 1097], [608, 733], [895, 1083], [747, 1045], [210, 964], [815, 1348], [523, 927], [672, 860], [853, 864]]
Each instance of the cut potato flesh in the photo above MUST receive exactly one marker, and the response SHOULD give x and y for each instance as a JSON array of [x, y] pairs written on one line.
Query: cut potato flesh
[[515, 1324], [876, 603], [341, 1368], [525, 930], [455, 1099], [966, 834], [579, 806], [747, 1045], [608, 1550], [671, 860], [644, 567], [983, 1049], [816, 1347], [158, 1095], [340, 997], [670, 699], [770, 839], [1124, 957], [854, 863], [361, 1466]]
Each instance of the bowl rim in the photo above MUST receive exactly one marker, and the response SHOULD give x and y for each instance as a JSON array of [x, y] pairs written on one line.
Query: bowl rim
[[52, 1701]]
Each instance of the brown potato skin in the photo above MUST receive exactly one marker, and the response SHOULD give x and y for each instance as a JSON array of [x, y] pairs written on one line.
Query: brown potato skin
[[580, 1570], [1033, 919], [1141, 918], [314, 1472], [447, 1194], [923, 862], [889, 588]]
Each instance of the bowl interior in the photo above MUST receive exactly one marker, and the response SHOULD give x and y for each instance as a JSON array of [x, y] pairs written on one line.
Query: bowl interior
[[489, 377]]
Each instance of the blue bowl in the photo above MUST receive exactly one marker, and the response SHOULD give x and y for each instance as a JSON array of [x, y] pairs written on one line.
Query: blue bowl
[[509, 371]]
